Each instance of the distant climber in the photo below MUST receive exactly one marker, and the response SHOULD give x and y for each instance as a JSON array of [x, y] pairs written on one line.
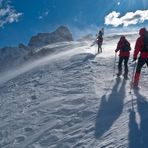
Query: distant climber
[[99, 41]]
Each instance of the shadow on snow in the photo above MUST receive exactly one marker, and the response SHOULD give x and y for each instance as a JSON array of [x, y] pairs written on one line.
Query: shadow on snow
[[110, 109], [138, 136]]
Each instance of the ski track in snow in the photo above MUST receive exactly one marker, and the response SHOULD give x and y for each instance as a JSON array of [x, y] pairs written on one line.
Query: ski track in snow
[[71, 100]]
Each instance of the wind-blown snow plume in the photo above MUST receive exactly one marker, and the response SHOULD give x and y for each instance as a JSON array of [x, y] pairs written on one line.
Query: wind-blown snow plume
[[130, 18], [7, 13]]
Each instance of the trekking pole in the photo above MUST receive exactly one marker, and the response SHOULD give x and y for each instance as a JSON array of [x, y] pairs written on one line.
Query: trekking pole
[[114, 65], [131, 83], [132, 78]]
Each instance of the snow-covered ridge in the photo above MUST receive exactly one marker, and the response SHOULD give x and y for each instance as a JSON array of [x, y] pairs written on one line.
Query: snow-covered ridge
[[132, 36], [15, 56], [56, 50]]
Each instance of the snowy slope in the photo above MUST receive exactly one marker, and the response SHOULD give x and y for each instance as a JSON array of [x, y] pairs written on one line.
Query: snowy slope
[[70, 99]]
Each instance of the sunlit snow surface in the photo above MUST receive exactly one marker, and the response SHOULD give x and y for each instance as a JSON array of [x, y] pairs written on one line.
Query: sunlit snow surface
[[70, 99]]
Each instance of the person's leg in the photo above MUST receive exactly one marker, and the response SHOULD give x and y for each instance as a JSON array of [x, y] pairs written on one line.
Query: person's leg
[[98, 47], [126, 66], [140, 64], [120, 66]]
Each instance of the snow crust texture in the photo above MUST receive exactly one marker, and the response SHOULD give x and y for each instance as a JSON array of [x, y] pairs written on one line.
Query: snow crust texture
[[70, 99]]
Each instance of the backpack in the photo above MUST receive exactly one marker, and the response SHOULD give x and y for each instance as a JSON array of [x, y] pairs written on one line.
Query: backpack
[[126, 46], [145, 46], [99, 39]]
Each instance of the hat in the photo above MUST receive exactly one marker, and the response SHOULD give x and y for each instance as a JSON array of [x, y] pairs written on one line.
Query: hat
[[142, 31]]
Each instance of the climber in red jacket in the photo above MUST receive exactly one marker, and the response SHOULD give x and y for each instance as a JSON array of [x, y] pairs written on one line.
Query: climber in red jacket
[[141, 47], [124, 48]]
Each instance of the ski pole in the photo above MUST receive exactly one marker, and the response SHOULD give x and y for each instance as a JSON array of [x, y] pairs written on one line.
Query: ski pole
[[132, 79], [94, 42], [114, 65], [131, 83]]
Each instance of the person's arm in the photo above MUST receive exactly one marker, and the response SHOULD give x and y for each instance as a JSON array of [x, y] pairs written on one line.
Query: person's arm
[[138, 47], [118, 47]]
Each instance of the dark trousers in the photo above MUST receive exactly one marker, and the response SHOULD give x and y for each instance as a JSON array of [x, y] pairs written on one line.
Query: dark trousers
[[99, 47], [140, 64], [121, 59]]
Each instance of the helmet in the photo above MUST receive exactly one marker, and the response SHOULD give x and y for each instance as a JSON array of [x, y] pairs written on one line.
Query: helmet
[[142, 31]]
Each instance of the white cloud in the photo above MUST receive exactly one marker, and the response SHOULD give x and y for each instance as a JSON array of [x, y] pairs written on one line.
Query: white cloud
[[130, 18], [7, 13]]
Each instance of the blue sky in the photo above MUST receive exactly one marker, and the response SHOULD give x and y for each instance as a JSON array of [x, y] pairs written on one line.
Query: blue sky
[[20, 19]]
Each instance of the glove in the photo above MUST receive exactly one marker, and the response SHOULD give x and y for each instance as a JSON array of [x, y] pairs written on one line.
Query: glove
[[116, 50], [134, 59]]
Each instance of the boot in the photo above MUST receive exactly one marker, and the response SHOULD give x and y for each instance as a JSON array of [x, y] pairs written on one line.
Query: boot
[[136, 80], [119, 73], [125, 76]]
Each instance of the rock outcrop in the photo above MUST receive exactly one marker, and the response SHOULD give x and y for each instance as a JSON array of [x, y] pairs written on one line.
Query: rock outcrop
[[41, 39]]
